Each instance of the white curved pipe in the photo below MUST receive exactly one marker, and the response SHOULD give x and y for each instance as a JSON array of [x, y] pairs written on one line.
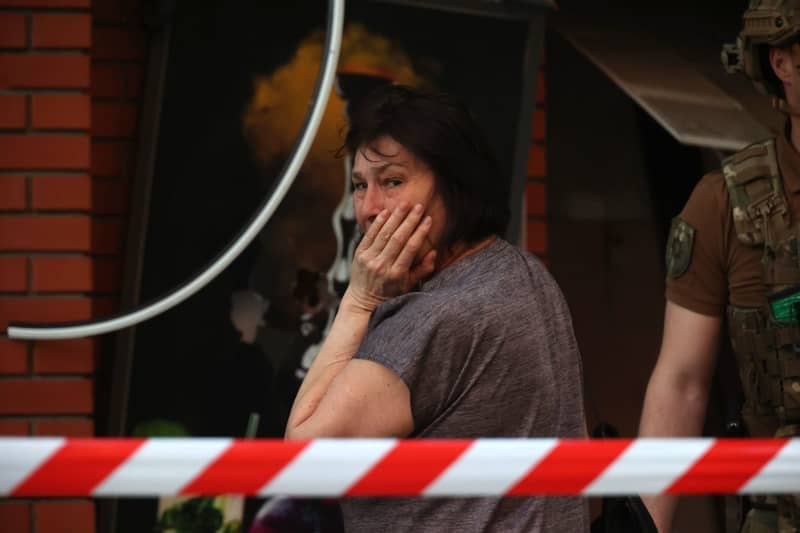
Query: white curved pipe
[[98, 327]]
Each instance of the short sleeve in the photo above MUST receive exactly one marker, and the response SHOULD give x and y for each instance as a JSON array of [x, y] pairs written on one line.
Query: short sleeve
[[699, 281], [419, 340]]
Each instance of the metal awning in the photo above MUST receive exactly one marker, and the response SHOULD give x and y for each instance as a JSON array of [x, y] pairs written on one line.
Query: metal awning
[[675, 74]]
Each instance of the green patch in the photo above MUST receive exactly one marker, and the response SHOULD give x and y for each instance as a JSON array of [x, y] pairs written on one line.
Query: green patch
[[679, 247], [785, 305]]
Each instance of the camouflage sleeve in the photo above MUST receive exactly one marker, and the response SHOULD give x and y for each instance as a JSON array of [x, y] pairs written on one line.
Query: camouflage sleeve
[[696, 255]]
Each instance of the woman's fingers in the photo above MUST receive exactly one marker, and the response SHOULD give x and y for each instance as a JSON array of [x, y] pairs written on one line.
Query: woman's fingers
[[414, 242], [384, 236], [373, 230], [401, 236], [390, 247]]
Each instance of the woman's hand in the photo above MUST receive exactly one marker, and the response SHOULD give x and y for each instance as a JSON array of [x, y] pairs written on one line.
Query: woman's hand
[[384, 264]]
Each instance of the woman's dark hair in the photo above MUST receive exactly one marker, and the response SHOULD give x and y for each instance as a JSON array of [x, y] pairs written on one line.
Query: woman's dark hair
[[440, 131]]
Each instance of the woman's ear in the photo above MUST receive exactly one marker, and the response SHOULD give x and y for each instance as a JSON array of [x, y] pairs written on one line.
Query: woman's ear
[[782, 63]]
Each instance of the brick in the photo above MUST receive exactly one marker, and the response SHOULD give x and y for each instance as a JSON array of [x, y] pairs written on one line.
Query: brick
[[109, 158], [13, 275], [114, 120], [64, 427], [46, 396], [106, 236], [13, 428], [62, 30], [51, 363], [541, 88], [537, 162], [130, 160], [46, 152], [65, 516], [134, 81], [64, 348], [103, 307], [537, 236], [107, 275], [15, 516], [107, 81], [110, 197], [64, 357], [12, 193], [117, 43], [47, 71], [69, 233], [76, 274], [536, 199], [114, 11], [44, 310], [62, 274], [539, 132], [61, 192], [61, 111], [14, 32], [12, 363], [12, 111], [45, 3], [13, 357], [105, 11]]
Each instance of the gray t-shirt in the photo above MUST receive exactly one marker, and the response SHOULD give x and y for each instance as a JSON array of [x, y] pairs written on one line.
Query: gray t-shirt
[[486, 348]]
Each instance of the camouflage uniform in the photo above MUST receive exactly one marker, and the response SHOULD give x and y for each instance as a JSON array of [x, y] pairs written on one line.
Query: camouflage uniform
[[766, 340]]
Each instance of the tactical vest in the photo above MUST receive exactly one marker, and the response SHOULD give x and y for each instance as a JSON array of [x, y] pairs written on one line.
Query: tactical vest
[[767, 340]]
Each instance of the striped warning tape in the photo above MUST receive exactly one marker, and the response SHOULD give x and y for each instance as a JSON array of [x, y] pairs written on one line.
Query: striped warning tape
[[389, 467]]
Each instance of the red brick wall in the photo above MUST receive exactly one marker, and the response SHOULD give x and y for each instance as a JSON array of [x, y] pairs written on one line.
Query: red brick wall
[[70, 78], [536, 189]]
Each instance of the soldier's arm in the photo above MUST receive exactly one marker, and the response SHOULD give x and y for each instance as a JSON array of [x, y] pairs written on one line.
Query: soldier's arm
[[677, 394]]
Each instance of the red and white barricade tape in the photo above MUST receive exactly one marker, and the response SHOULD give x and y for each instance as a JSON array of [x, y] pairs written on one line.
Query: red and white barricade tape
[[388, 467]]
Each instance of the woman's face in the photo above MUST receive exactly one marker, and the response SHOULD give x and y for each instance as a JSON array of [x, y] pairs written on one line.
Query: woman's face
[[385, 174]]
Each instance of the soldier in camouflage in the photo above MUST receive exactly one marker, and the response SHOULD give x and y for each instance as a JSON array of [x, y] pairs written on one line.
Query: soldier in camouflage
[[732, 258]]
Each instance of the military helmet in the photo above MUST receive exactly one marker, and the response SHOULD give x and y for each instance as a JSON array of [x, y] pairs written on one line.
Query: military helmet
[[767, 23]]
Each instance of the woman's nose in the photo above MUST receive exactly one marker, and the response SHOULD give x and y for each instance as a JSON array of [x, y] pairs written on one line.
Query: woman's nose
[[373, 203]]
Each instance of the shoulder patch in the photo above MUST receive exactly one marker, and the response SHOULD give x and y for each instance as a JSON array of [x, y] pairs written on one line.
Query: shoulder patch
[[679, 247]]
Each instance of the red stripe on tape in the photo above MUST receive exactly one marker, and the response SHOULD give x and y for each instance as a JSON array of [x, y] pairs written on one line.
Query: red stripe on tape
[[77, 467], [727, 466], [409, 467], [245, 467], [570, 467]]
